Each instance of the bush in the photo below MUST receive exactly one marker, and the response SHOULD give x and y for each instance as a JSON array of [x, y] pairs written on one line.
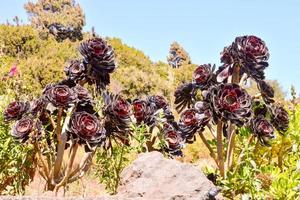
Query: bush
[[266, 172], [19, 41], [17, 162]]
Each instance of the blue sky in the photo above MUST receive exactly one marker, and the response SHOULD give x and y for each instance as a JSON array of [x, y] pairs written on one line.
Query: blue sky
[[202, 27]]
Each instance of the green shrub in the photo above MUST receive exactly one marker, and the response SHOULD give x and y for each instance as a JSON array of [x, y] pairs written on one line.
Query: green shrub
[[17, 162], [266, 172]]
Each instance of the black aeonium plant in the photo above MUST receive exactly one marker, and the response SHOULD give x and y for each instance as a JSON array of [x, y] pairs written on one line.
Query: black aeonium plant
[[99, 61], [66, 113], [60, 95], [228, 102], [26, 127], [262, 129], [174, 139], [203, 76], [250, 53], [280, 118], [15, 110], [117, 112], [76, 71], [87, 129]]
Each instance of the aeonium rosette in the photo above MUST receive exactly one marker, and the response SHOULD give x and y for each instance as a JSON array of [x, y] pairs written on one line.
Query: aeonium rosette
[[83, 95], [38, 106], [75, 71], [184, 96], [250, 53], [60, 95], [262, 129], [230, 102], [157, 102], [87, 128], [203, 76], [173, 138], [140, 110], [280, 119], [204, 112], [98, 53], [251, 47], [15, 110], [117, 113], [26, 128], [189, 124], [99, 60], [195, 119]]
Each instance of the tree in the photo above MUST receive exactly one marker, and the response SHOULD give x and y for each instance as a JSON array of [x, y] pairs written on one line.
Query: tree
[[178, 56], [62, 18]]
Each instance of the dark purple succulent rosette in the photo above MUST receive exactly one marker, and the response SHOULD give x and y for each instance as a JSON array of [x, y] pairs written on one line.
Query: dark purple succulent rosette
[[280, 119], [83, 95], [157, 102], [87, 128], [99, 60], [174, 139], [75, 71], [38, 106], [99, 54], [117, 112], [23, 129], [250, 52], [60, 95], [15, 110], [121, 108], [226, 56], [204, 112], [140, 110], [193, 120], [189, 124], [184, 96], [203, 76], [230, 102], [262, 129], [267, 92], [251, 48]]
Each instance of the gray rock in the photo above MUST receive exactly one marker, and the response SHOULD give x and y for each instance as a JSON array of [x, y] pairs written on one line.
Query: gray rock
[[151, 176]]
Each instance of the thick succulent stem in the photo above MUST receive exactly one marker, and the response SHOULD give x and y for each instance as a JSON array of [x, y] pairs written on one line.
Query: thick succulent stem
[[60, 146], [220, 148], [231, 143], [40, 159], [69, 167], [61, 143], [82, 168]]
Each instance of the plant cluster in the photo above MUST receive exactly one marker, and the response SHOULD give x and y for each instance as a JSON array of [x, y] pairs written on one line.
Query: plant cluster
[[68, 116], [218, 98]]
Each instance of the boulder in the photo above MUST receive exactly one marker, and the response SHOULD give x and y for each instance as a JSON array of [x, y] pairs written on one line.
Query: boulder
[[153, 177]]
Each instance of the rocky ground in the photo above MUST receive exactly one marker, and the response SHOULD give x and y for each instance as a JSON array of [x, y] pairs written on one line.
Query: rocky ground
[[153, 177]]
